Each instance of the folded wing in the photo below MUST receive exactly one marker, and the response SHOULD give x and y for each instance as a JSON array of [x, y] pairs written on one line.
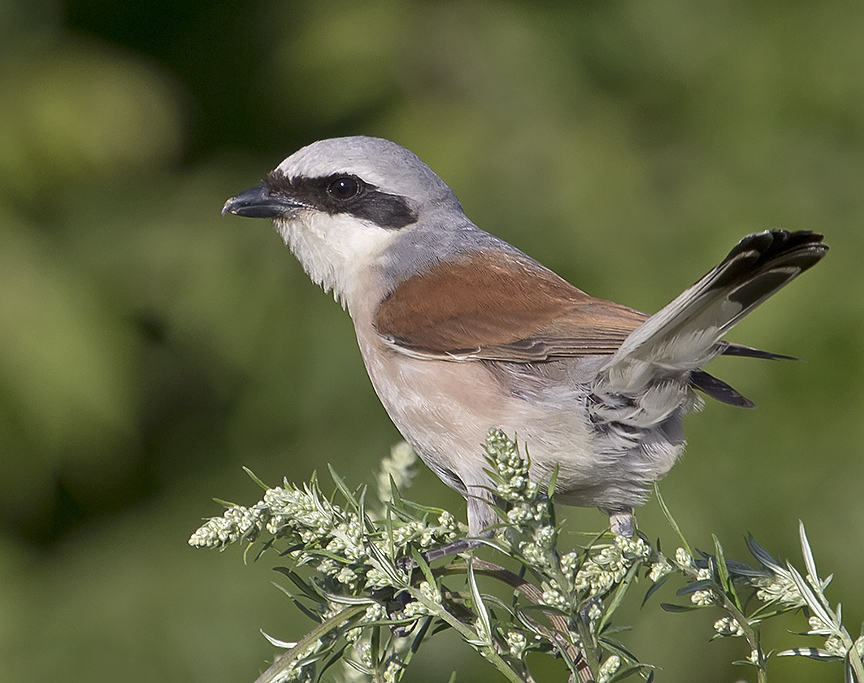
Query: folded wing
[[500, 306], [496, 306]]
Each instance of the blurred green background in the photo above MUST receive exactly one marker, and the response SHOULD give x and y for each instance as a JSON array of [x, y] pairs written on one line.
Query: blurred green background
[[150, 348]]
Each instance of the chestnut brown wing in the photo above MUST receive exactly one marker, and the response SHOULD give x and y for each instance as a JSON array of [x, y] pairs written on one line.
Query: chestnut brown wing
[[497, 306]]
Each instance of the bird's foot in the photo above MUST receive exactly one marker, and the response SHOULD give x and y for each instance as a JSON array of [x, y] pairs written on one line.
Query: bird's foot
[[622, 522]]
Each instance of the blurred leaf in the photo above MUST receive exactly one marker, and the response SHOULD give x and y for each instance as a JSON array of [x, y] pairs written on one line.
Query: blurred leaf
[[67, 373], [72, 110]]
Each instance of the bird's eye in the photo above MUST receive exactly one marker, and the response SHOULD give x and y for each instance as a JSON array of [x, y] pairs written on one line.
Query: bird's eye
[[344, 187]]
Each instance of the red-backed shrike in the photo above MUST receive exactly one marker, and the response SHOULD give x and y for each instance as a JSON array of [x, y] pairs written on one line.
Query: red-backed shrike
[[462, 332]]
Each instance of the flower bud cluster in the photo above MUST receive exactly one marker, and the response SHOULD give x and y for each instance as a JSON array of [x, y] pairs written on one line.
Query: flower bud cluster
[[516, 643], [430, 592], [610, 564], [538, 551], [554, 597], [702, 598], [661, 568], [727, 626], [705, 597], [304, 515], [514, 485], [393, 672], [374, 612], [609, 668], [376, 579], [569, 564], [530, 514], [425, 535], [237, 524], [413, 610], [834, 645], [309, 521], [401, 466], [780, 588], [300, 516], [683, 558]]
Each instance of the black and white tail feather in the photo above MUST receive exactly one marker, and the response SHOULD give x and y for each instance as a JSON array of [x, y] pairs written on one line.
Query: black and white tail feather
[[686, 334]]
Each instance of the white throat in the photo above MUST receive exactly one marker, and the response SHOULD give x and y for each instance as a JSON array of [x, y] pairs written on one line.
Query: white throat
[[335, 250]]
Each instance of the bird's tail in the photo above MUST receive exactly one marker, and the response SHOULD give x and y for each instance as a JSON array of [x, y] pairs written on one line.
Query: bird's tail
[[687, 333]]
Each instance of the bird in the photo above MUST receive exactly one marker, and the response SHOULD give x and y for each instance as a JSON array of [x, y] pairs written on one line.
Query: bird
[[461, 332]]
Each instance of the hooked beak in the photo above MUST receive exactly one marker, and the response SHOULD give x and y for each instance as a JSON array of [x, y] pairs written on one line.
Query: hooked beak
[[258, 202]]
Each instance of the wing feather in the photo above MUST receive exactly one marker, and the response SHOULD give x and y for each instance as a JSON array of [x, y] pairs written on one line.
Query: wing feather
[[686, 333], [497, 306]]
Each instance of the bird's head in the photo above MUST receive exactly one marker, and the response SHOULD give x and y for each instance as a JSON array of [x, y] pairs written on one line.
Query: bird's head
[[340, 203]]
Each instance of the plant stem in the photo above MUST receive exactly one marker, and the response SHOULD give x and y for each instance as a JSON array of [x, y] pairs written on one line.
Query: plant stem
[[287, 659], [530, 591], [468, 634]]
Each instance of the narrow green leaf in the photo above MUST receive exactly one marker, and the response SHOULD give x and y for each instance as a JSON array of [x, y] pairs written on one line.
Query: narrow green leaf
[[479, 605], [375, 646], [627, 670], [395, 496], [264, 548], [809, 561], [618, 649], [298, 581], [496, 603], [226, 503], [252, 476], [574, 663], [276, 642], [619, 594], [762, 555], [333, 659], [812, 600], [291, 658], [367, 522], [723, 571], [701, 585], [418, 638], [343, 488], [553, 481], [296, 600], [811, 653], [425, 509], [357, 666], [400, 513], [671, 520], [385, 565], [670, 607], [349, 599], [543, 609], [740, 662], [654, 588], [424, 567]]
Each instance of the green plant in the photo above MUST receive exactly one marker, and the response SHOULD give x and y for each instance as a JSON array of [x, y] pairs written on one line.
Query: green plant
[[357, 570]]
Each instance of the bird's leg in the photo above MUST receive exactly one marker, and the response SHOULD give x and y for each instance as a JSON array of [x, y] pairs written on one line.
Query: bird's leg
[[622, 522], [407, 564], [463, 545]]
